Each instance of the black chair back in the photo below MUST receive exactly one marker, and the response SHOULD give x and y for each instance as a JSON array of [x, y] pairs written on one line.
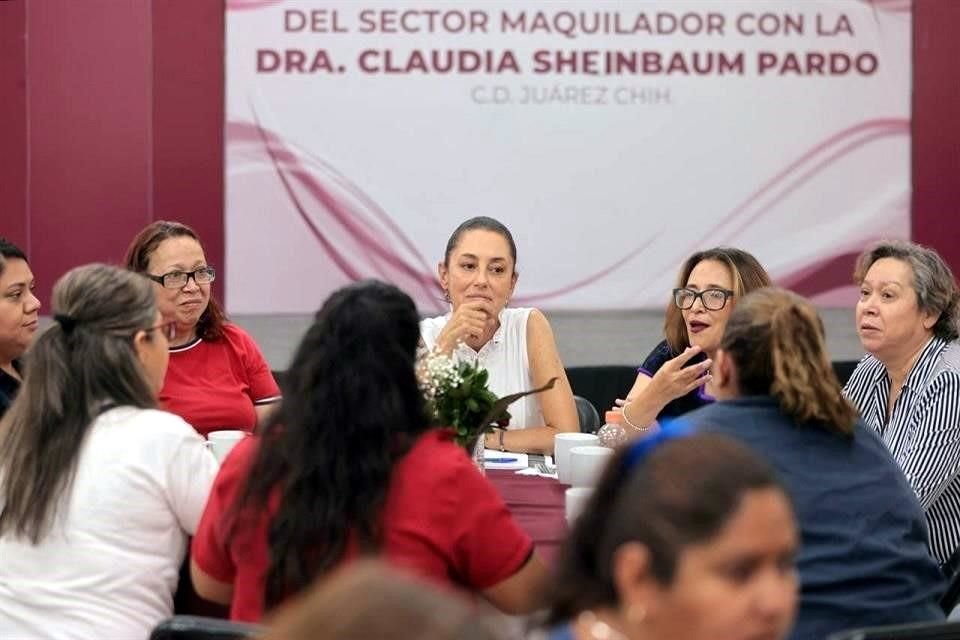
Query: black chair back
[[844, 369], [601, 385], [589, 418], [922, 631], [200, 628]]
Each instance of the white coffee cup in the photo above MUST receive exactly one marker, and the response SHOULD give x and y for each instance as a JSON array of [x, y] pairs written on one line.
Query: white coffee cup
[[587, 463], [221, 442], [574, 501], [562, 444]]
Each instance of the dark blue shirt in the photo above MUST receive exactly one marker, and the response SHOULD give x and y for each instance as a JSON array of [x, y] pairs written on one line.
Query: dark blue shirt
[[685, 403], [863, 559], [8, 388]]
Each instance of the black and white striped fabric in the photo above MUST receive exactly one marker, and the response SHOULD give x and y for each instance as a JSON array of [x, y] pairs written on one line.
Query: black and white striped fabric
[[923, 433]]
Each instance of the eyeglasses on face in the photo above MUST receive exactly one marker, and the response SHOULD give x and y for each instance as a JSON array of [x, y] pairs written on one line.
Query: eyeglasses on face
[[712, 299], [167, 329], [179, 279]]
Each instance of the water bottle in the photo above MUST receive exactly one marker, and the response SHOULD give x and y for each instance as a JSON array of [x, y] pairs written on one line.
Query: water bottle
[[612, 434]]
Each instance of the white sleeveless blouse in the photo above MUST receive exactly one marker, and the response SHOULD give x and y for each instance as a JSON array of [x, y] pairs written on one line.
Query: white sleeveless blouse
[[504, 357]]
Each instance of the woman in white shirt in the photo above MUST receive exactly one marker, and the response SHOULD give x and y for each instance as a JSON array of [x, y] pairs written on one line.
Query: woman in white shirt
[[98, 489], [515, 345]]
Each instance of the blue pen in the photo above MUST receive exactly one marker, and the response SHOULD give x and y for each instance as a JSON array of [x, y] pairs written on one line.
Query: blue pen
[[501, 460]]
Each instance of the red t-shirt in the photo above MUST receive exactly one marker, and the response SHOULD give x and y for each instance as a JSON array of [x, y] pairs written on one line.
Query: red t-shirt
[[443, 521], [215, 384]]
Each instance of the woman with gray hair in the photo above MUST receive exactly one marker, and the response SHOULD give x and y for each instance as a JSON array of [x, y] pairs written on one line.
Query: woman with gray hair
[[98, 489], [907, 387]]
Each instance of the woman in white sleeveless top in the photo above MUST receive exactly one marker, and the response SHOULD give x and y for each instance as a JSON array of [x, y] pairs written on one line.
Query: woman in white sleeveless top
[[516, 346]]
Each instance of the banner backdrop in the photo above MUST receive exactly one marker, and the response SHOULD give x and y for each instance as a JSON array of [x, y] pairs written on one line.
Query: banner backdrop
[[613, 138]]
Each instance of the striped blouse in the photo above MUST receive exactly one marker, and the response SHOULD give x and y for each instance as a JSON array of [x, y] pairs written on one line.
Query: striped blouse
[[923, 433]]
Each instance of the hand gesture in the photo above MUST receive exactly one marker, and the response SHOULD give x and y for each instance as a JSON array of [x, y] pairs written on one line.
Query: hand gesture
[[468, 323], [674, 379]]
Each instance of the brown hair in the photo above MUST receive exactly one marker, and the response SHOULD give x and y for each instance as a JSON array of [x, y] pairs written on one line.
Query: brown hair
[[747, 273], [667, 495], [937, 292], [369, 600], [210, 325], [776, 340], [83, 361]]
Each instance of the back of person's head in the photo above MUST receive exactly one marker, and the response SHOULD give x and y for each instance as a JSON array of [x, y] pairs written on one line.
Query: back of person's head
[[83, 362], [351, 408], [666, 495], [933, 281], [745, 270], [369, 600], [776, 341]]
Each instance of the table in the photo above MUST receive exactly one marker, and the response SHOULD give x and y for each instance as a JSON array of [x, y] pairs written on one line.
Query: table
[[537, 505]]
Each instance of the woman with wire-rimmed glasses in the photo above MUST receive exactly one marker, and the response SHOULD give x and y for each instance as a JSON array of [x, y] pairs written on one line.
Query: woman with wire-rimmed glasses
[[675, 377], [218, 378]]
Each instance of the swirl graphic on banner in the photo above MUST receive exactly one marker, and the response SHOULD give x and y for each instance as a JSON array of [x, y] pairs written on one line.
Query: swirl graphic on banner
[[359, 239]]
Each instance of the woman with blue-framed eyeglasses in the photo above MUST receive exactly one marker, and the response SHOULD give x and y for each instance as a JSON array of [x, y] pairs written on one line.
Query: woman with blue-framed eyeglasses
[[217, 378], [675, 376]]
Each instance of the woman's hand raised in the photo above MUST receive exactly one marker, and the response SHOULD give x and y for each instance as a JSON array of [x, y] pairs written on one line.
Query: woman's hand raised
[[468, 323], [676, 379]]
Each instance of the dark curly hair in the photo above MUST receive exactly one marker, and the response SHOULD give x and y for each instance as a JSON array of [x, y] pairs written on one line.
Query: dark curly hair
[[351, 409]]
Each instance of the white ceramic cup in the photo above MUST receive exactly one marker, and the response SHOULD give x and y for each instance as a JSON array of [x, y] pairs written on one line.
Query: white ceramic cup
[[587, 463], [562, 443], [221, 442], [574, 501]]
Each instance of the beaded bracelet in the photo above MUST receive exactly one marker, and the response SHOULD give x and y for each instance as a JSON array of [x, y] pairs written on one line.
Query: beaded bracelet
[[623, 412]]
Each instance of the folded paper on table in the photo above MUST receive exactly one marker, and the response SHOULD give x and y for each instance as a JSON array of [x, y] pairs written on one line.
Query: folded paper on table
[[494, 459]]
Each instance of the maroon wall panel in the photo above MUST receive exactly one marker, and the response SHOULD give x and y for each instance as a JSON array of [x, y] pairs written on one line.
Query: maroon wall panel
[[188, 62], [936, 127], [89, 96], [13, 123]]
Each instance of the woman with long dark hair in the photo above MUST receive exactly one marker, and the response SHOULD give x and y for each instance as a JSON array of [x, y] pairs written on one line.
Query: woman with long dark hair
[[348, 465], [98, 489], [864, 559]]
